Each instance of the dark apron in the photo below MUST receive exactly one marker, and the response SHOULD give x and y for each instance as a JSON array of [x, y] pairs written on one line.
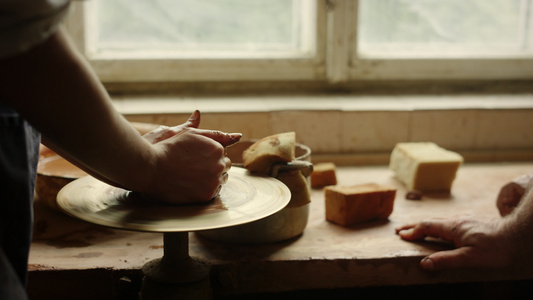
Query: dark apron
[[19, 153]]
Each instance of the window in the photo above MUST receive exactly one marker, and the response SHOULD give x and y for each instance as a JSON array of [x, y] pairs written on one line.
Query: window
[[452, 28], [287, 40], [447, 39], [202, 29], [192, 40]]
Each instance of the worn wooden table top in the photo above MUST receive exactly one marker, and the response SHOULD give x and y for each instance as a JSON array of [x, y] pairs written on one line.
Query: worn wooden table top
[[325, 256]]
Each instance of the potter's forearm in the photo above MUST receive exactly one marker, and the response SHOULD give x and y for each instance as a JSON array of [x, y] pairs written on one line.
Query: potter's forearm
[[54, 89]]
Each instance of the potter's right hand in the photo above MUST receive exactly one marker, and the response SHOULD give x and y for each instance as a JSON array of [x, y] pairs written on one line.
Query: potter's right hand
[[190, 165]]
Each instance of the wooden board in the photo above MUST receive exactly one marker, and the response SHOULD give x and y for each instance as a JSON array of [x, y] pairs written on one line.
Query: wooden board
[[325, 256]]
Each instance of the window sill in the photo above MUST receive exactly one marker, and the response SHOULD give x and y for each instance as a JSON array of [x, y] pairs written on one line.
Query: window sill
[[352, 130], [132, 105]]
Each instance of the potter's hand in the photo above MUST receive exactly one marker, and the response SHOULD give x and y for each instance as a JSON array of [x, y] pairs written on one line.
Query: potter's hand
[[511, 193], [165, 132], [479, 243], [190, 163]]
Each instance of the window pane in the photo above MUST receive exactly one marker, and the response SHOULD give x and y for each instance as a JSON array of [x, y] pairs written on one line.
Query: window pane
[[200, 27], [444, 27]]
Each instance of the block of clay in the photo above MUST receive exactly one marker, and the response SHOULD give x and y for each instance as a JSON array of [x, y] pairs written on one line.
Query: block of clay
[[323, 174], [425, 166], [349, 205]]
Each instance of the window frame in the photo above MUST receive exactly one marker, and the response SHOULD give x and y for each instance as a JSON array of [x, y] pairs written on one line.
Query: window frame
[[335, 59], [356, 67], [111, 69]]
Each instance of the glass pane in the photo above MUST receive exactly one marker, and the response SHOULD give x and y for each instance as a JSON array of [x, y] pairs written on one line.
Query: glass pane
[[199, 26], [444, 27]]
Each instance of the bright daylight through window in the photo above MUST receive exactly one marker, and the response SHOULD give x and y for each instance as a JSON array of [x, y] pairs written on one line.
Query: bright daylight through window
[[329, 40], [441, 28], [201, 28]]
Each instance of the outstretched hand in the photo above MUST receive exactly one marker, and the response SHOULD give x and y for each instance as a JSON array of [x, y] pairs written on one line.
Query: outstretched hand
[[479, 243], [190, 163]]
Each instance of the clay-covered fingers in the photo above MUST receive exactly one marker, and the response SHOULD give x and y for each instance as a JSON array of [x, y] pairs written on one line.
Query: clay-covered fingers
[[158, 134], [217, 192], [164, 132], [224, 138], [224, 176], [191, 125], [194, 120], [227, 163], [190, 163]]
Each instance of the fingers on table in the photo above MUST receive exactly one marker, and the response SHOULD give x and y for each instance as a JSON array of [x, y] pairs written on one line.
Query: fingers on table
[[435, 228]]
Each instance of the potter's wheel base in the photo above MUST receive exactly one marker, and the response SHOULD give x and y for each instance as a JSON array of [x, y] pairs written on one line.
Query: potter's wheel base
[[152, 289], [176, 275], [182, 271]]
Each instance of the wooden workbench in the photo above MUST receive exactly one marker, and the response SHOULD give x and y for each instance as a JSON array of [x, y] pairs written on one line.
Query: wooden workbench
[[70, 257]]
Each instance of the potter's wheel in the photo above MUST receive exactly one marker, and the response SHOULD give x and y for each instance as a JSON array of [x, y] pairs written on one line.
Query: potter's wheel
[[244, 198]]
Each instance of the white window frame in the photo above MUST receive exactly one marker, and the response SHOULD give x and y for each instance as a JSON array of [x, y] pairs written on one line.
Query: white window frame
[[335, 58]]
